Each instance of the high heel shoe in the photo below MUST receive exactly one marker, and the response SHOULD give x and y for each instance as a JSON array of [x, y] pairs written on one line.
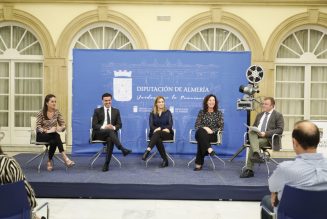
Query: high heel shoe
[[69, 163], [49, 166], [145, 155], [164, 163]]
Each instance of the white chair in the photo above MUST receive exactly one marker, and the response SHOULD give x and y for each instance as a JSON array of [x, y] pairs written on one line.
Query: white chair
[[103, 149], [45, 145], [155, 152], [216, 143]]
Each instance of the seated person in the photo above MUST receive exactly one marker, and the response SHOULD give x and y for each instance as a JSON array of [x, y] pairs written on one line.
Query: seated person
[[208, 123], [161, 123], [106, 122], [11, 172], [308, 171], [269, 122], [49, 122]]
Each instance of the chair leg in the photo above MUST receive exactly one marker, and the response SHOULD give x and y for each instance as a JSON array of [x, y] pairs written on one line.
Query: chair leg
[[95, 157], [268, 171], [116, 159], [213, 164], [220, 159], [35, 157], [170, 157], [151, 156], [45, 152], [193, 159], [60, 160]]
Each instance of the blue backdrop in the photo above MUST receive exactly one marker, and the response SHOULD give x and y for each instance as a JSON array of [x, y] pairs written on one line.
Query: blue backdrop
[[136, 77]]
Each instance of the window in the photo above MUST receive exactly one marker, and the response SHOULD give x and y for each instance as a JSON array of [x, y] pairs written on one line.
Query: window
[[21, 76], [216, 38], [104, 37], [301, 76]]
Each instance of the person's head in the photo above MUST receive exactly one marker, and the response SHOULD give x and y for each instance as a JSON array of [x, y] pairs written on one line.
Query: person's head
[[305, 137], [210, 102], [268, 104], [107, 100], [159, 105], [49, 104]]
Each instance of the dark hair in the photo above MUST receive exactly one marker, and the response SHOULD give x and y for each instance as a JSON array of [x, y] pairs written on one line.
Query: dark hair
[[1, 151], [45, 106], [306, 133], [205, 104], [272, 100], [106, 95]]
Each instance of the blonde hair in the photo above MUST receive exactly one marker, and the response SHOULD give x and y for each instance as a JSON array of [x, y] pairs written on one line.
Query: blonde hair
[[155, 108]]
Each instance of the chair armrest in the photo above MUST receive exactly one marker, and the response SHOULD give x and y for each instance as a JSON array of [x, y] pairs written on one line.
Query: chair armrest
[[119, 134], [46, 204], [245, 135], [90, 135], [33, 136], [147, 135], [274, 138], [219, 137], [191, 140]]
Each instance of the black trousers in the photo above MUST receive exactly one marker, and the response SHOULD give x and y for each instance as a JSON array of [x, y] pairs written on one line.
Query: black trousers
[[266, 201], [54, 142], [157, 138], [203, 139], [111, 138]]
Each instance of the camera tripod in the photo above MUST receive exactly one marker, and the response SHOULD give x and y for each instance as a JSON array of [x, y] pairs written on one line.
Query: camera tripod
[[244, 146]]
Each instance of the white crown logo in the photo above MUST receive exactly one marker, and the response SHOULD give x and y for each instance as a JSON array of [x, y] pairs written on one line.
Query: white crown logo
[[122, 73]]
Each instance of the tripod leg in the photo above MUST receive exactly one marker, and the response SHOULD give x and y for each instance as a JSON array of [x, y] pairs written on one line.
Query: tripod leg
[[239, 151]]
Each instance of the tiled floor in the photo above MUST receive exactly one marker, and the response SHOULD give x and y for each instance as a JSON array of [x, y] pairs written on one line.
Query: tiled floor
[[150, 209]]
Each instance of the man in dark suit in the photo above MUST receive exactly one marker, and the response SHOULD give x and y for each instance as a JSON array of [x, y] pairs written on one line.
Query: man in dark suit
[[105, 123], [269, 122]]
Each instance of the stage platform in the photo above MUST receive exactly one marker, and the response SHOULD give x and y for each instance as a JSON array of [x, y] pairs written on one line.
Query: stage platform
[[136, 181]]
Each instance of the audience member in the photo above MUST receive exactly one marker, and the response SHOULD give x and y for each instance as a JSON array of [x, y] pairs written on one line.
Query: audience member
[[11, 172], [308, 171]]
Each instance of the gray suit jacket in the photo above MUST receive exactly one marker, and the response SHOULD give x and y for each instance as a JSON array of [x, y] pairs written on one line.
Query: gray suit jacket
[[275, 126]]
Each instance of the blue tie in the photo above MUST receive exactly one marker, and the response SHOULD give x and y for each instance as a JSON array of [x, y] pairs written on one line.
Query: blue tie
[[264, 123]]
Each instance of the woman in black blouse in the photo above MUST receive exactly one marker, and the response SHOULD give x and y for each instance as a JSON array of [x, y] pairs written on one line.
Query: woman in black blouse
[[208, 123], [161, 123]]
